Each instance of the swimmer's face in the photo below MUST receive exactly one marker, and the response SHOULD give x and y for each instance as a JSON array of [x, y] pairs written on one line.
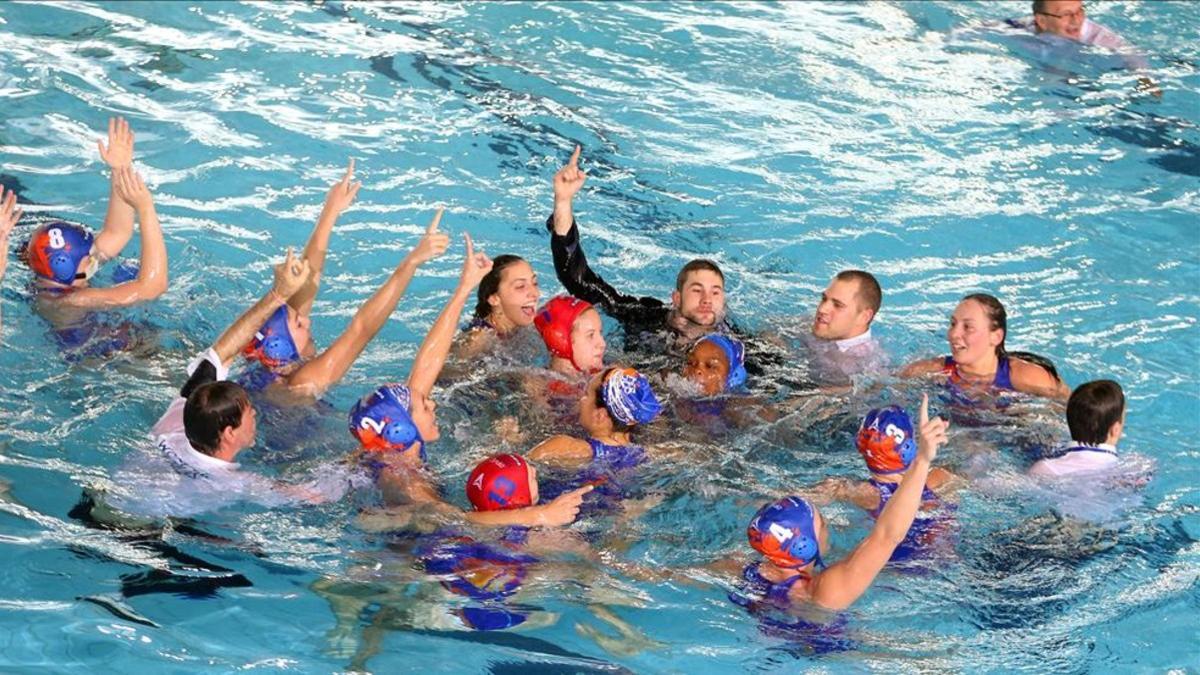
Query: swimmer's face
[[708, 366], [587, 341], [593, 417], [533, 484], [516, 299], [301, 329], [1061, 17], [971, 336], [424, 417], [701, 300], [841, 314], [246, 432]]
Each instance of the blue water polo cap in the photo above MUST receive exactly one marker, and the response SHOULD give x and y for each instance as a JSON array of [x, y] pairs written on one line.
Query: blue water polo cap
[[785, 532], [56, 249], [628, 397], [273, 343], [735, 353], [382, 420], [886, 440]]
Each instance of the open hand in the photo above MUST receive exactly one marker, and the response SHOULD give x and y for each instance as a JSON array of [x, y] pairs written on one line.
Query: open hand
[[432, 244], [9, 215], [569, 179], [475, 266], [564, 508], [119, 153], [290, 275], [932, 432], [131, 189], [342, 193]]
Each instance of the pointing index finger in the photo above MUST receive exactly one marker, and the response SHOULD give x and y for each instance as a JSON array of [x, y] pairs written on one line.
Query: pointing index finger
[[349, 171], [433, 224], [575, 157], [924, 409]]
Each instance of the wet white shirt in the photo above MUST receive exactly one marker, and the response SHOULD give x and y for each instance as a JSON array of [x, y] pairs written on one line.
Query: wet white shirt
[[834, 360], [1077, 458]]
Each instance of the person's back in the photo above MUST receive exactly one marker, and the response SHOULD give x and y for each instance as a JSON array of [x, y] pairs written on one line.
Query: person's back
[[1096, 418]]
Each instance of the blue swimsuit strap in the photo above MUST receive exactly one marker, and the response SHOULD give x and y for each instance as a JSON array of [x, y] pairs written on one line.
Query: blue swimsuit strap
[[886, 490]]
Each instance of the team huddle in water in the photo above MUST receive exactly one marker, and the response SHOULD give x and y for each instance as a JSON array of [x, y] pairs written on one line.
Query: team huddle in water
[[714, 362], [199, 438]]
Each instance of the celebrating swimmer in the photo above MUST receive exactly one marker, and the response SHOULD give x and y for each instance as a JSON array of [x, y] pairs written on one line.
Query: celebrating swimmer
[[841, 340], [505, 303], [978, 362], [574, 335], [64, 256], [888, 445], [394, 423], [283, 345], [697, 304], [791, 535]]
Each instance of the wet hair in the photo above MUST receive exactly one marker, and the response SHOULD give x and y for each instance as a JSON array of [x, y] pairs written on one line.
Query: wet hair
[[869, 292], [1039, 6], [695, 266], [210, 409], [1092, 410], [997, 317], [617, 426], [490, 284]]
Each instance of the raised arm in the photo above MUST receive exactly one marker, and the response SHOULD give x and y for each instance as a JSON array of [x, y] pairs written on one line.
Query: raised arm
[[340, 196], [9, 215], [571, 265], [290, 276], [151, 280], [844, 581], [430, 358], [118, 221], [332, 364]]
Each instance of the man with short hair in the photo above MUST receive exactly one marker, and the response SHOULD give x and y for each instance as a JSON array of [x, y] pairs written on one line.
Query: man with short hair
[[697, 305], [1096, 419], [841, 340], [208, 425], [1068, 19]]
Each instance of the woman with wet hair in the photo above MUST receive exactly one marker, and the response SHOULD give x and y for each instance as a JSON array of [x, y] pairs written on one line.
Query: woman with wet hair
[[507, 301], [978, 362]]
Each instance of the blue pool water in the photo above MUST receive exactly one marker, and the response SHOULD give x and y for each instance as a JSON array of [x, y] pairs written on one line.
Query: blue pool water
[[787, 141]]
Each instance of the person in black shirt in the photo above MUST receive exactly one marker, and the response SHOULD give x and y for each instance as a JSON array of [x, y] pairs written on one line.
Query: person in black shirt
[[697, 305]]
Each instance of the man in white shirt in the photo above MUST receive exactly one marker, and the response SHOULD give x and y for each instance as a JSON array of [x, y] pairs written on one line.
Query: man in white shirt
[[1068, 19], [1096, 418], [207, 426], [842, 345]]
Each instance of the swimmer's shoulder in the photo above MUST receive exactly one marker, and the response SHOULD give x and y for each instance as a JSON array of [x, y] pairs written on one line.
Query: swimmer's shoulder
[[561, 448], [1031, 378], [923, 367]]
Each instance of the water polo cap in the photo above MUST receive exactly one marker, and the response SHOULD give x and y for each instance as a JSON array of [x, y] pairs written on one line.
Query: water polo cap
[[628, 397], [273, 343], [555, 320], [500, 482], [885, 440], [785, 532], [56, 249], [382, 420]]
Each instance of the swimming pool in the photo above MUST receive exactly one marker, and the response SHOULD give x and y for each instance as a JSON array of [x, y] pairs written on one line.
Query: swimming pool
[[787, 141]]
